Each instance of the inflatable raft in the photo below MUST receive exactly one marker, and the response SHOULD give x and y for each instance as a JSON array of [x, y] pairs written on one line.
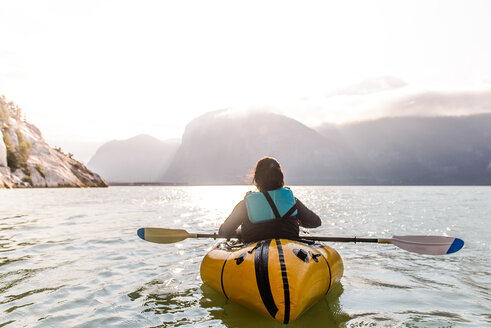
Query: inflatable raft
[[278, 278]]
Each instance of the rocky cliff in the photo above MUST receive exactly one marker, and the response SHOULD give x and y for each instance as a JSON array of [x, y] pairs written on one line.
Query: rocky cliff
[[26, 160]]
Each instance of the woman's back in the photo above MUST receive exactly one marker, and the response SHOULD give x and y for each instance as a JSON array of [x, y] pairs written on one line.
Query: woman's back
[[273, 212]]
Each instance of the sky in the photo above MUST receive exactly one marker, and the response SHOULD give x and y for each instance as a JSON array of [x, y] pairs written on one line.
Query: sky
[[87, 72]]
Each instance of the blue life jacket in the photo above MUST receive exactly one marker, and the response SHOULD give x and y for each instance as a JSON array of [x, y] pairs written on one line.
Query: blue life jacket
[[270, 205]]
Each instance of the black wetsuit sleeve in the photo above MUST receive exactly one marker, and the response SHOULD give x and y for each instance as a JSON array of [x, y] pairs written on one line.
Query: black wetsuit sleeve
[[306, 217], [234, 220]]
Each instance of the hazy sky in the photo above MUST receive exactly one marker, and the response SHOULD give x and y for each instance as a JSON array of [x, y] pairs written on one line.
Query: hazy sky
[[86, 72]]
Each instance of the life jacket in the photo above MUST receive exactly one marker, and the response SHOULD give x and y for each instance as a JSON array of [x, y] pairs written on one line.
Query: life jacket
[[270, 205]]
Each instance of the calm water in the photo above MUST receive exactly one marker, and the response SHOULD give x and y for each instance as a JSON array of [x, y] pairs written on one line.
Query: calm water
[[71, 258]]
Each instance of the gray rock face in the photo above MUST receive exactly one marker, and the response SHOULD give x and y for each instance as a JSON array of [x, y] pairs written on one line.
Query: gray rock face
[[37, 164]]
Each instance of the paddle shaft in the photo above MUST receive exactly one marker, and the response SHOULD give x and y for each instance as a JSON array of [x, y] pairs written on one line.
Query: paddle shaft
[[318, 238], [348, 239], [206, 235]]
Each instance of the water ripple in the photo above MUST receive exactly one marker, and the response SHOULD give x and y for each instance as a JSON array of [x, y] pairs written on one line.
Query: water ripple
[[71, 258]]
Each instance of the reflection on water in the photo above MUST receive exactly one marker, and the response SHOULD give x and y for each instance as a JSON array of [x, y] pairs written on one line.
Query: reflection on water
[[71, 258], [205, 307]]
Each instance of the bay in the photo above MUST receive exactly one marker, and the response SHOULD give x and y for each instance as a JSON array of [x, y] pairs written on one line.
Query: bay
[[71, 258]]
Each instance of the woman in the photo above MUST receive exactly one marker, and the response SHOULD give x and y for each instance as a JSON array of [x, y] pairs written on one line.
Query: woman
[[272, 212]]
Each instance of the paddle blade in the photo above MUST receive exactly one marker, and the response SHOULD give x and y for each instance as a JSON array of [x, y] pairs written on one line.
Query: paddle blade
[[163, 236], [430, 245]]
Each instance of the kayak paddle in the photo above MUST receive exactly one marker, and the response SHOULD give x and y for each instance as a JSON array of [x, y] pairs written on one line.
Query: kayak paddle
[[430, 245], [170, 236]]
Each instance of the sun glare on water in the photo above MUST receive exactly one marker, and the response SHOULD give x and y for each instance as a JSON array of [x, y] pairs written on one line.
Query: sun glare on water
[[210, 205]]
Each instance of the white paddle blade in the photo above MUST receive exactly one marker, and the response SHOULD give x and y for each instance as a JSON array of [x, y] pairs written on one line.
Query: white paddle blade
[[430, 245]]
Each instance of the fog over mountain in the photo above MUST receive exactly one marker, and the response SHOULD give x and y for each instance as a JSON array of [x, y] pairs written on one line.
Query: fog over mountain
[[139, 159], [440, 102], [387, 96], [222, 147]]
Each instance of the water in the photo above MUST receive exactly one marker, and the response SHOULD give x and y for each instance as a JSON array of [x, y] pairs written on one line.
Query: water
[[71, 258]]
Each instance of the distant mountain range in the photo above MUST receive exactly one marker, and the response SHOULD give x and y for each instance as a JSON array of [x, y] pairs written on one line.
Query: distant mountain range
[[417, 150], [221, 147], [139, 159]]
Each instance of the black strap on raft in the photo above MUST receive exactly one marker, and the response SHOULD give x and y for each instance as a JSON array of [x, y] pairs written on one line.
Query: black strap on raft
[[329, 267], [275, 209], [262, 277], [221, 275], [286, 288]]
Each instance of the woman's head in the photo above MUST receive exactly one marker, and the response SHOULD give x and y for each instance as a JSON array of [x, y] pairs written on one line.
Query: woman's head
[[268, 174]]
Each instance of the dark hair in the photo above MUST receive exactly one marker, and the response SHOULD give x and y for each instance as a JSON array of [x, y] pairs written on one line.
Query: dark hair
[[268, 174]]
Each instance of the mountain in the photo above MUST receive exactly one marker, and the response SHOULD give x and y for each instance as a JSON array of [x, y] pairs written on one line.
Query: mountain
[[139, 159], [26, 160], [222, 147], [419, 150]]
